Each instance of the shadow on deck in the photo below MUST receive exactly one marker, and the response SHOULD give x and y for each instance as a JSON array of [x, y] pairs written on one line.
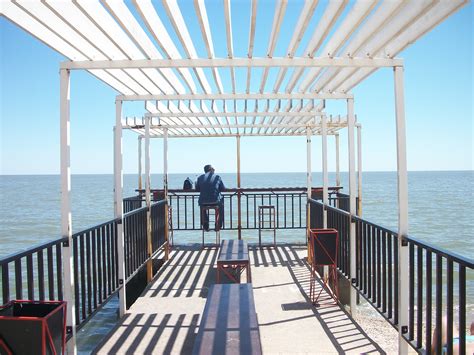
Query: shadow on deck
[[165, 319]]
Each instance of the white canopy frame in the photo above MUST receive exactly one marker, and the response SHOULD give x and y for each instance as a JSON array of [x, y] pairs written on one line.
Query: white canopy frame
[[349, 41]]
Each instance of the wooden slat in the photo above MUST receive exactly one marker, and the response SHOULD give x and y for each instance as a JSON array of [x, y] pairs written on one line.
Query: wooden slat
[[229, 323]]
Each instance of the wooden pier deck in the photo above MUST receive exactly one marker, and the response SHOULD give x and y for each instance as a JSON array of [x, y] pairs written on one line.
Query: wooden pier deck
[[166, 318]]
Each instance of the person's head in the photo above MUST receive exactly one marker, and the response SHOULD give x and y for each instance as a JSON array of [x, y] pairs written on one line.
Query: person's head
[[208, 168]]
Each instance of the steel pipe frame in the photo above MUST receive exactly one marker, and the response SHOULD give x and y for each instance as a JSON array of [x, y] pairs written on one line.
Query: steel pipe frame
[[149, 266], [238, 96], [118, 205], [233, 114], [352, 201], [305, 62], [139, 162], [66, 218], [402, 191]]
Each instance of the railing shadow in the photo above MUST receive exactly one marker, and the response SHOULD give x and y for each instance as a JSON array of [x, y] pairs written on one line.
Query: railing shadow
[[186, 263], [341, 329], [171, 333]]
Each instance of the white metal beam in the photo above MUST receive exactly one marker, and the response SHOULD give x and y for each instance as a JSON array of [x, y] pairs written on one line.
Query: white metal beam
[[357, 62], [338, 175], [324, 158], [280, 9], [66, 219], [402, 189], [237, 96], [140, 163], [352, 199], [149, 267], [230, 46], [359, 169], [118, 206], [234, 114]]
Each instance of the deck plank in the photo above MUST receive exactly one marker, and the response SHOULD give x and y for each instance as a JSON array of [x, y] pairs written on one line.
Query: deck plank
[[167, 316]]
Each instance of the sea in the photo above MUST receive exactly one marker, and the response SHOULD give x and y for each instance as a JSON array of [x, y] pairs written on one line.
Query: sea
[[441, 205]]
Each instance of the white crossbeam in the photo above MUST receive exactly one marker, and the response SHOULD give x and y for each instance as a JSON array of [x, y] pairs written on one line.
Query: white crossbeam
[[238, 96], [358, 62], [233, 114]]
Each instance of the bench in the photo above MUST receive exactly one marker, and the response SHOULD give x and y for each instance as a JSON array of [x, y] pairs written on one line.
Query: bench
[[233, 260], [229, 323]]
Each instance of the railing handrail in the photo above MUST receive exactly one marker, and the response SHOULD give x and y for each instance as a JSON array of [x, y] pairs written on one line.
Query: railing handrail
[[464, 261], [87, 230], [250, 189], [12, 257]]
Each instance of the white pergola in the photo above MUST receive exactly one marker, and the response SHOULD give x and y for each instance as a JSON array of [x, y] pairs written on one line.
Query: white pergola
[[130, 47]]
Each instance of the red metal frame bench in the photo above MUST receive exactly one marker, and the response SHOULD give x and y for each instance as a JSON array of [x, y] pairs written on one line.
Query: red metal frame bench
[[233, 260]]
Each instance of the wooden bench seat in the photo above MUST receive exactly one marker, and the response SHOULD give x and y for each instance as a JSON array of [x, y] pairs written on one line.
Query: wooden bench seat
[[233, 259], [229, 323]]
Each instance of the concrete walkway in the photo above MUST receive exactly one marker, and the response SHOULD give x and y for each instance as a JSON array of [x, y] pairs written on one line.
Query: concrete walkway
[[166, 318]]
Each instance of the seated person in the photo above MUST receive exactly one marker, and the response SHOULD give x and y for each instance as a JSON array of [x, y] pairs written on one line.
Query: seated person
[[210, 186]]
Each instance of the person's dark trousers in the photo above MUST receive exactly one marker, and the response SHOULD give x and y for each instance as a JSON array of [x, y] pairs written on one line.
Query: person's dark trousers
[[205, 215]]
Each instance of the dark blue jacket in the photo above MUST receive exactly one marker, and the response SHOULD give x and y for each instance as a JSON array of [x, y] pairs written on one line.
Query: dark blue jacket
[[210, 186]]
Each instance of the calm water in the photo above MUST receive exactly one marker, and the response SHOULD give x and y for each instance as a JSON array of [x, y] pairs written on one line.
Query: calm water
[[440, 212], [441, 203]]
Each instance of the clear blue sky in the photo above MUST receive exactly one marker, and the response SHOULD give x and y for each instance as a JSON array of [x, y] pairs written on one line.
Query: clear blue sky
[[439, 95]]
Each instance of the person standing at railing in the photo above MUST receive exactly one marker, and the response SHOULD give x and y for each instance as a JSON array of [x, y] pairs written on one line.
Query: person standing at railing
[[210, 186]]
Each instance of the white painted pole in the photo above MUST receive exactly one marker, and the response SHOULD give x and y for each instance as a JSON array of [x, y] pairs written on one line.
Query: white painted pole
[[324, 151], [359, 170], [165, 188], [309, 177], [309, 181], [149, 268], [239, 199], [165, 162], [140, 163], [66, 219], [118, 204], [352, 198], [338, 174], [402, 178]]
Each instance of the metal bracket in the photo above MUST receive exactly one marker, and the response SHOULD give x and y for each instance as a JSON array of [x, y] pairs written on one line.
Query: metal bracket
[[404, 241], [120, 281], [404, 329], [66, 243], [68, 329]]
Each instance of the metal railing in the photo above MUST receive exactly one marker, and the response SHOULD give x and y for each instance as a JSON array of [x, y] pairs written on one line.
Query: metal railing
[[38, 271], [432, 266], [290, 206], [432, 275], [132, 203], [95, 268]]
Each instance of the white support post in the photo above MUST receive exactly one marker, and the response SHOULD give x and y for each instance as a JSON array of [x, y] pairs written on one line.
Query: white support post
[[352, 199], [359, 170], [402, 178], [149, 267], [324, 151], [165, 189], [165, 162], [338, 174], [239, 201], [66, 220], [118, 204], [309, 181], [140, 185]]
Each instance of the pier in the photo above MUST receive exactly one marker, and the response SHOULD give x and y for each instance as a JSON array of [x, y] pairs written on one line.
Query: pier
[[161, 284]]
